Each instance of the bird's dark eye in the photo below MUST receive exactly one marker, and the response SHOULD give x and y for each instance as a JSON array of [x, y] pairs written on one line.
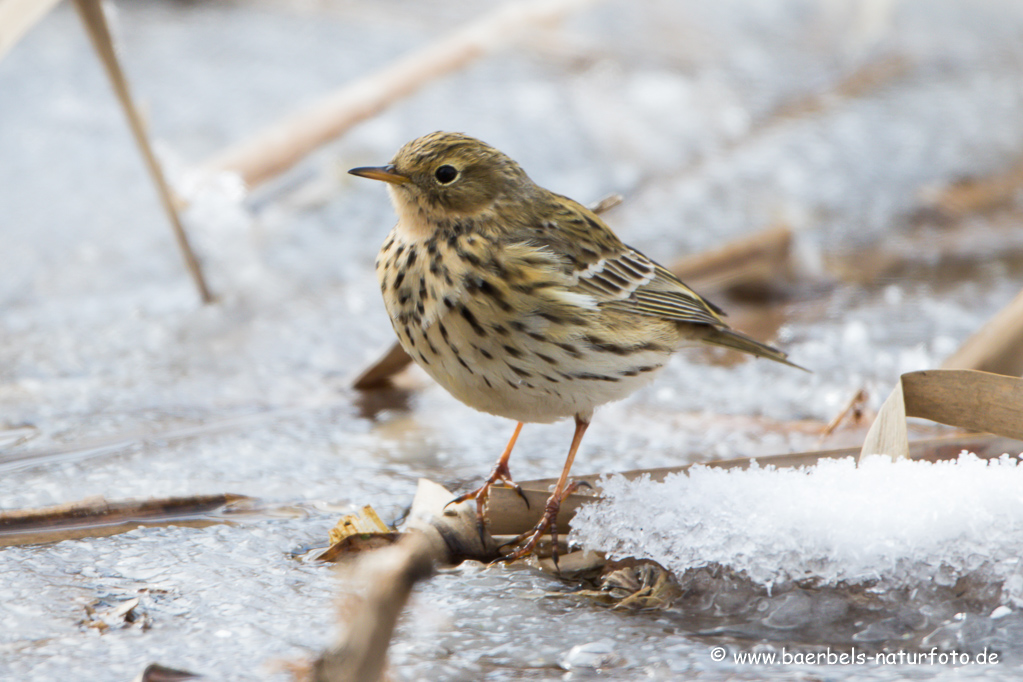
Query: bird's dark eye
[[446, 174]]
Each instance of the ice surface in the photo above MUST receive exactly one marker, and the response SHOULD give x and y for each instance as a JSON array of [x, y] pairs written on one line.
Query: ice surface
[[126, 387], [900, 523]]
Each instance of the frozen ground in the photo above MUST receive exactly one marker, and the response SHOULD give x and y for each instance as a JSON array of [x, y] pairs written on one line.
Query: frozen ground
[[714, 119]]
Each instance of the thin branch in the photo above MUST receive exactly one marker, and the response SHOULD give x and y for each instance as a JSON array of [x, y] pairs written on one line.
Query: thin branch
[[95, 22]]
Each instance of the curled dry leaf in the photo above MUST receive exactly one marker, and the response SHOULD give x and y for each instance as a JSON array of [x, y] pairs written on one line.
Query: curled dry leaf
[[103, 616], [976, 401], [639, 584], [357, 533]]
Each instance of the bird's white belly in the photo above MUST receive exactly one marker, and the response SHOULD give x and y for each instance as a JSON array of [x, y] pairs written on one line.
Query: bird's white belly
[[522, 377], [500, 351]]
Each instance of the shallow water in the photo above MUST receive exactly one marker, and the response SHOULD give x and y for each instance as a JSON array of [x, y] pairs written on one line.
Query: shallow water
[[114, 381]]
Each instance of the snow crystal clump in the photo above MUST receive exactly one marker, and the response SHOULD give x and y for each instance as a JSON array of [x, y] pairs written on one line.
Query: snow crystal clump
[[898, 522]]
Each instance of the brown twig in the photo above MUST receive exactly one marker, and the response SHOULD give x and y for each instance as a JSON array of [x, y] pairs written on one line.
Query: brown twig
[[91, 12], [757, 259], [976, 195], [854, 408], [98, 517], [284, 144], [361, 653]]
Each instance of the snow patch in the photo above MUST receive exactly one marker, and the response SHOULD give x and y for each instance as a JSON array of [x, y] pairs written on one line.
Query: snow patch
[[898, 522]]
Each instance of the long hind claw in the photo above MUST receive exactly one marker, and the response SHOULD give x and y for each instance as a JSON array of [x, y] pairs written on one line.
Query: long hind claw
[[546, 524]]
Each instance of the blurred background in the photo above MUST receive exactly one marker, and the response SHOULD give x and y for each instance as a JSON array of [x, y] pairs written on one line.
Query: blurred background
[[882, 138]]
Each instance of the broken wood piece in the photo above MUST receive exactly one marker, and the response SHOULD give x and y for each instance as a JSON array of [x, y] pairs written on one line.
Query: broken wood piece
[[452, 528], [757, 260], [390, 573], [91, 12], [155, 672], [968, 399], [280, 146], [96, 517], [996, 347]]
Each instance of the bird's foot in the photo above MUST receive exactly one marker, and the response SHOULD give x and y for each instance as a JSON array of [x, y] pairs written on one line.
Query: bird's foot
[[546, 524], [500, 474]]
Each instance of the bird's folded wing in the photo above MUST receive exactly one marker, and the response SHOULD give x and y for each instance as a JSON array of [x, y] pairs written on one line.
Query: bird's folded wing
[[629, 281], [616, 275]]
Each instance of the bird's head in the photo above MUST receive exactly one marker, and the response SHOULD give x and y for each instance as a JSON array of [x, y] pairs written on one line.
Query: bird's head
[[449, 175]]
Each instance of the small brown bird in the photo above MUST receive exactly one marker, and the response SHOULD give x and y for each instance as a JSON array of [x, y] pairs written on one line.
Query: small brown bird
[[521, 302]]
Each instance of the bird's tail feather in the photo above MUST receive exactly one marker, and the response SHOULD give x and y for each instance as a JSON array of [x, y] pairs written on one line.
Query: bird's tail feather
[[728, 338]]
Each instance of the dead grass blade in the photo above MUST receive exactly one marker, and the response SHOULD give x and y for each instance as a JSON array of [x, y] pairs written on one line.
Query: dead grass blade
[[80, 450], [97, 517], [853, 413], [155, 672], [888, 434], [91, 12], [378, 374], [977, 195]]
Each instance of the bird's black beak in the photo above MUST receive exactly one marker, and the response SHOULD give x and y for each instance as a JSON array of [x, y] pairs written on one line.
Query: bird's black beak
[[385, 173]]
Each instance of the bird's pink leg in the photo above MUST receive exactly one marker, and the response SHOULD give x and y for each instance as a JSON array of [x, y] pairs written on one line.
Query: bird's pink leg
[[550, 515], [501, 473]]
